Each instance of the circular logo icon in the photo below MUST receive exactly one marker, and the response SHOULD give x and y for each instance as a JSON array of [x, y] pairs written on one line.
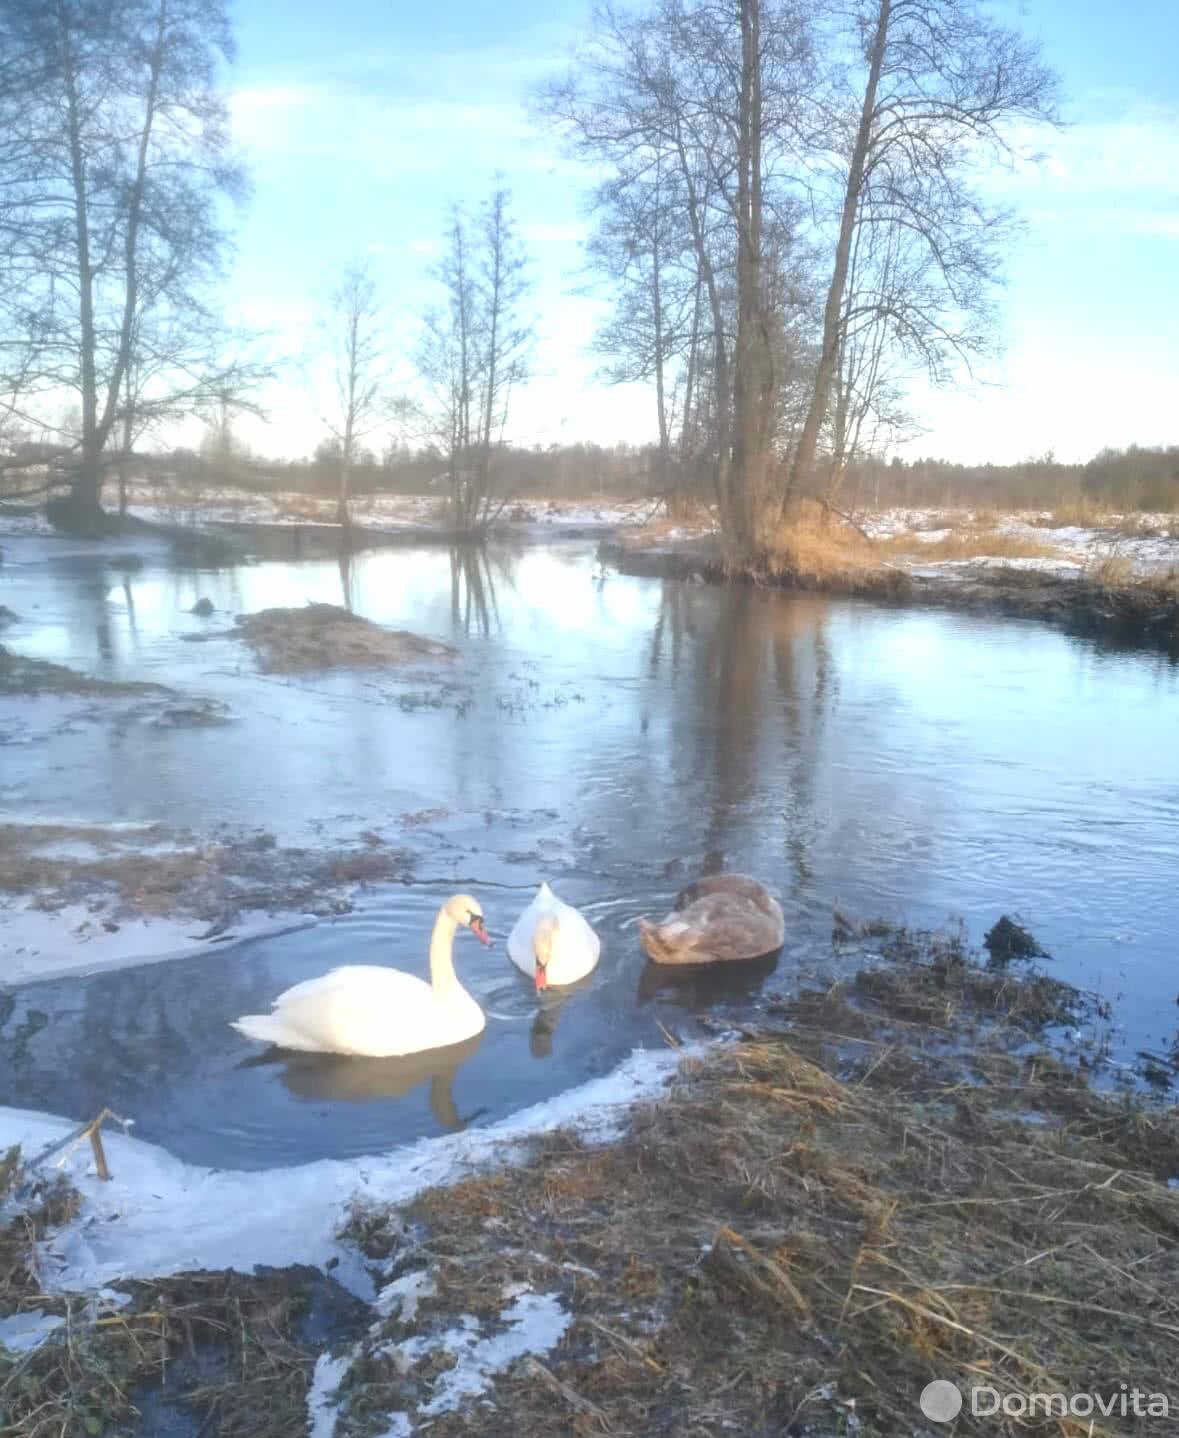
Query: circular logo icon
[[941, 1402]]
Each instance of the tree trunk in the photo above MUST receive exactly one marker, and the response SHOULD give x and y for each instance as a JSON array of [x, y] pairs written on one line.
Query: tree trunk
[[343, 513], [804, 454], [752, 384], [664, 465], [720, 359], [84, 508], [125, 454], [343, 516]]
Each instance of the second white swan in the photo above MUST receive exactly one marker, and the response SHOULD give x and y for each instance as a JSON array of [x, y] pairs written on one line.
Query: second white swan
[[552, 942], [377, 1012]]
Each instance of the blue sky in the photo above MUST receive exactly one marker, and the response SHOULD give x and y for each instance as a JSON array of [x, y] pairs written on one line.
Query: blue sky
[[362, 121]]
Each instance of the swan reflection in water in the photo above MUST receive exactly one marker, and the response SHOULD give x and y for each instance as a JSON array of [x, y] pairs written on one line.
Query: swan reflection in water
[[343, 1078], [700, 985]]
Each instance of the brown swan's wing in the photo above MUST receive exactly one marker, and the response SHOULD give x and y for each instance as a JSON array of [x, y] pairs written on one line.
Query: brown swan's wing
[[740, 885]]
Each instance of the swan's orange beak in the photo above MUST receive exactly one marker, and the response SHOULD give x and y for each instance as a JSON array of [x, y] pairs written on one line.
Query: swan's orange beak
[[542, 976], [479, 929]]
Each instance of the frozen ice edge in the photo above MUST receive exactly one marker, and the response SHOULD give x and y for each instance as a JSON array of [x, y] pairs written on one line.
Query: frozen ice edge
[[41, 944], [159, 1215]]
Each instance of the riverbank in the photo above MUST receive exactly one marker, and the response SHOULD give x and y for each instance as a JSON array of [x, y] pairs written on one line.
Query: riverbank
[[900, 1177], [1107, 582], [1112, 576]]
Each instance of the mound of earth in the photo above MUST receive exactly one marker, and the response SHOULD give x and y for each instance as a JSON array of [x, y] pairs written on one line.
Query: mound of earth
[[324, 636], [19, 675]]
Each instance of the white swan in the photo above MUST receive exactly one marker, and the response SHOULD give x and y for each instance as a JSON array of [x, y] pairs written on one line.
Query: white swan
[[552, 942], [378, 1012]]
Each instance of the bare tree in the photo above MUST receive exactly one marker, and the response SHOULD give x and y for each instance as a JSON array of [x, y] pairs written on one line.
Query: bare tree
[[116, 159], [447, 361], [474, 352], [936, 88], [506, 337], [717, 94], [642, 252], [356, 321]]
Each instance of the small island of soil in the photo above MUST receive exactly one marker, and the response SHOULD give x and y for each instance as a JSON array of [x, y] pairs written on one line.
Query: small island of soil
[[324, 636]]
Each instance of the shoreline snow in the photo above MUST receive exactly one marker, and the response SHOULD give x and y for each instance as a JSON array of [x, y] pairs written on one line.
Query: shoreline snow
[[159, 1215]]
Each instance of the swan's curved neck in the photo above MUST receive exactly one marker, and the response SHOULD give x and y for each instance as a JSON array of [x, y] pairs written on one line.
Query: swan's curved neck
[[443, 978]]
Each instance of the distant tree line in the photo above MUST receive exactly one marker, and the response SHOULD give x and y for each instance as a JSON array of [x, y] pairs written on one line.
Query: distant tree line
[[1133, 480], [1130, 480]]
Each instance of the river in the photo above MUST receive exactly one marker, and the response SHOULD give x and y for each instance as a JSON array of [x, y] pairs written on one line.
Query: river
[[613, 735]]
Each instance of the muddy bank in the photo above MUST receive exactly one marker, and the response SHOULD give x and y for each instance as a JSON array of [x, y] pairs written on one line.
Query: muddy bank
[[1144, 612], [116, 878], [893, 1179], [324, 636], [154, 705], [20, 675]]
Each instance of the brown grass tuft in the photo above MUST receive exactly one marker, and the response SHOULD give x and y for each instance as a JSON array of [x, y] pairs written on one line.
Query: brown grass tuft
[[816, 548]]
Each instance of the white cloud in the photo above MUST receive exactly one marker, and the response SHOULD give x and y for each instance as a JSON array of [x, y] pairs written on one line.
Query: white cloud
[[1134, 152]]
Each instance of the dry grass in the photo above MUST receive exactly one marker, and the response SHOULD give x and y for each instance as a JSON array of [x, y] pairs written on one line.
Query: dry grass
[[49, 1204], [971, 541], [817, 1222], [209, 882], [232, 1354], [890, 1181], [817, 548], [306, 507], [1112, 569], [228, 1351], [1089, 514]]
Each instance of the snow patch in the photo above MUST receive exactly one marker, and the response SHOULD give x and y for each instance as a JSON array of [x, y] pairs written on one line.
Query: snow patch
[[536, 1322], [20, 1332], [403, 1295], [399, 1426], [322, 1412]]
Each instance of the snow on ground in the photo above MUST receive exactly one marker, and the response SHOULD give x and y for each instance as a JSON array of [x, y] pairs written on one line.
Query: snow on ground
[[16, 522], [535, 1323], [963, 568], [20, 1332], [47, 943], [162, 504], [1154, 549], [159, 1215], [321, 1407], [376, 511]]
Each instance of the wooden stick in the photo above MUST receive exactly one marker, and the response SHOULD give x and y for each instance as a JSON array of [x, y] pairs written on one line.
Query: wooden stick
[[104, 1173], [573, 1398], [88, 1130]]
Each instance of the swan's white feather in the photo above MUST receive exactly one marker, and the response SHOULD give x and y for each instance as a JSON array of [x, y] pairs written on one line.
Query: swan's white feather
[[365, 1009], [576, 948]]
